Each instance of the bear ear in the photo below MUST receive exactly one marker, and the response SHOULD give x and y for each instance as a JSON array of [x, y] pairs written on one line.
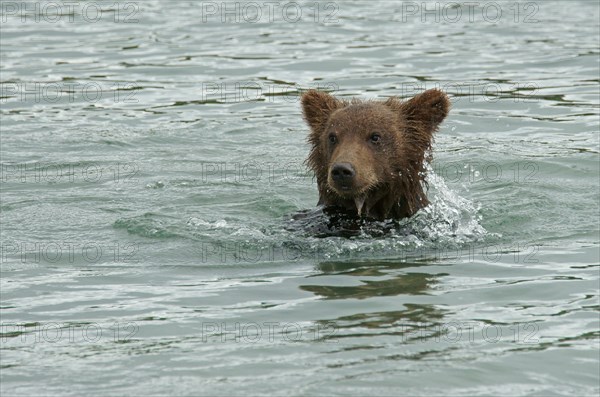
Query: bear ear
[[428, 109], [317, 106]]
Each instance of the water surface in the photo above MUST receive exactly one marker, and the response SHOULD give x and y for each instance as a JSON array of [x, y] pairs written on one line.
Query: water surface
[[152, 157]]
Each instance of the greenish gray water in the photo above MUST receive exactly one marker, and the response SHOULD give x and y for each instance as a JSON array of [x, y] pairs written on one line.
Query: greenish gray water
[[152, 156]]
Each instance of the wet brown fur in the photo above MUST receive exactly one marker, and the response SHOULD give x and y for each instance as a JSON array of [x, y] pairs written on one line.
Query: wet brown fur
[[390, 171]]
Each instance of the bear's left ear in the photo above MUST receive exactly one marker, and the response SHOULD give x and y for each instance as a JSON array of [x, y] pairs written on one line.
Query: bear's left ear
[[317, 106], [429, 109]]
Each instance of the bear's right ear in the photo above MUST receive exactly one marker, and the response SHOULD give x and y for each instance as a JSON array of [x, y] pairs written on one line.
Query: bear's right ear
[[317, 106]]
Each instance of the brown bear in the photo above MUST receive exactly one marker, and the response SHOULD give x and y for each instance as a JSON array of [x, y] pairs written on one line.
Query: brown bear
[[369, 156]]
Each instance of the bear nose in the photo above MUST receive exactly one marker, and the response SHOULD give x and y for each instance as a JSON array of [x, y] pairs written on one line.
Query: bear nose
[[342, 173]]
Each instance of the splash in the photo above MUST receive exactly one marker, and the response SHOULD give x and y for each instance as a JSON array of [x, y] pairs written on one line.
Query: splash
[[449, 218], [449, 221]]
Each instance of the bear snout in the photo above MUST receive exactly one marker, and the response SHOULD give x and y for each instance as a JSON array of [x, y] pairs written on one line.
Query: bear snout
[[342, 175]]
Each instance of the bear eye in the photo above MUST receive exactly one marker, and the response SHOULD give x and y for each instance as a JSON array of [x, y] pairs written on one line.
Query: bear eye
[[332, 139], [375, 137]]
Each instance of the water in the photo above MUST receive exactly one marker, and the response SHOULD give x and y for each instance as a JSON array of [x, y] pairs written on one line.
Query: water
[[152, 160]]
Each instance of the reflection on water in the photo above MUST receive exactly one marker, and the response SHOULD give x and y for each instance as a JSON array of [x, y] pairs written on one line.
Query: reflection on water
[[413, 283], [409, 283], [405, 324], [415, 324]]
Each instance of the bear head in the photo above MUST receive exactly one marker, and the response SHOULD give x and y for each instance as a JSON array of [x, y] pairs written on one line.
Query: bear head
[[369, 156]]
